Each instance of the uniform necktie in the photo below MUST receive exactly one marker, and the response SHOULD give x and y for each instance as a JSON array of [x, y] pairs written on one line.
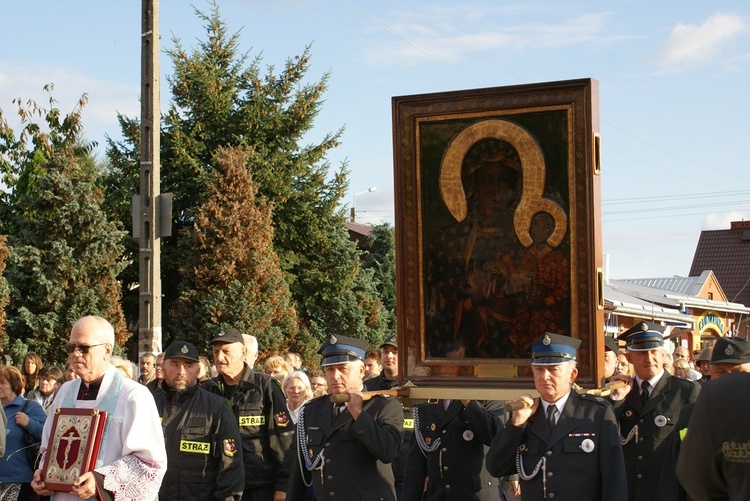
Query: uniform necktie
[[644, 392], [551, 410]]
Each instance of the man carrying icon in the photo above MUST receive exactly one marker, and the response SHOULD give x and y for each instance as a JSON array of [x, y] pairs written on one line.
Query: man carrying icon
[[562, 445], [648, 409], [344, 449]]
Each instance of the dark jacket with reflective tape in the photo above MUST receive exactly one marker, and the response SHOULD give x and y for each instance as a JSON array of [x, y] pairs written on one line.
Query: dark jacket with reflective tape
[[204, 460], [266, 428]]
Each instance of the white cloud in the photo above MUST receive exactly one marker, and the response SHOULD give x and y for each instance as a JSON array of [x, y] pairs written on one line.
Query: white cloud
[[692, 44], [722, 221], [105, 98]]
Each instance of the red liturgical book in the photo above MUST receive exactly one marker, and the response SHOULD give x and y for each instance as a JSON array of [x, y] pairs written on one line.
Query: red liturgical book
[[73, 446]]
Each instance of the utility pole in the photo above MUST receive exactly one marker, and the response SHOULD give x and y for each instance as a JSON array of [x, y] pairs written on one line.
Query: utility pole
[[148, 204]]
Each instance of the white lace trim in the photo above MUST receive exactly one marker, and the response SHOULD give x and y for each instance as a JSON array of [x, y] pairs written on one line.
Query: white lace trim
[[132, 478]]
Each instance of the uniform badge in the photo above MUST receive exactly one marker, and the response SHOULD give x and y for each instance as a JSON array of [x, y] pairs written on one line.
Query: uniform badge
[[660, 421], [587, 445], [628, 413], [644, 327], [468, 435], [729, 350], [230, 448], [184, 349], [332, 339], [282, 419], [546, 340]]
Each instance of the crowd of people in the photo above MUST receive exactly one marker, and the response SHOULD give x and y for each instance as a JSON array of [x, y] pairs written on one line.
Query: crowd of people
[[183, 426]]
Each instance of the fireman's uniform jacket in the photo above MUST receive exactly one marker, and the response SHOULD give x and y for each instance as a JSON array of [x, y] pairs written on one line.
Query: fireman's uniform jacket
[[266, 429], [204, 460]]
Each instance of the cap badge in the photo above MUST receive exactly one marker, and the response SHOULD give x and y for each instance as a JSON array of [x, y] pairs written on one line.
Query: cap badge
[[660, 421], [729, 350], [333, 340], [644, 326], [587, 445], [546, 341], [221, 333], [184, 349]]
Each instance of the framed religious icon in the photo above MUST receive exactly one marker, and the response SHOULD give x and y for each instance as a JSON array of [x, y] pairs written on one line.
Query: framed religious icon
[[498, 231], [73, 446]]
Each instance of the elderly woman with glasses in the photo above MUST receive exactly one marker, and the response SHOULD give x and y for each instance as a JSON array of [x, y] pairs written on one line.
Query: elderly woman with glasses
[[297, 391]]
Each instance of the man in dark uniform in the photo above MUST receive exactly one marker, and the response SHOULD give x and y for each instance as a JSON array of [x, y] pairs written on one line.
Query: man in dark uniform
[[343, 450], [563, 445], [649, 413], [388, 379], [714, 461], [200, 431], [259, 405], [448, 450], [730, 354]]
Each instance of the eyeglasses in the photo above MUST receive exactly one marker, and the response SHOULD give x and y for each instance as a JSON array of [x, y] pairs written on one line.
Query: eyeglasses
[[83, 348]]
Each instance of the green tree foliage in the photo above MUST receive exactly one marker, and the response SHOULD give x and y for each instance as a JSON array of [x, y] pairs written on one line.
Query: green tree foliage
[[231, 276], [4, 292], [381, 259], [64, 252], [221, 98]]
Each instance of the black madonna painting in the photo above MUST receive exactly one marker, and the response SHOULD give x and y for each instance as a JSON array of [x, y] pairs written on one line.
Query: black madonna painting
[[497, 227]]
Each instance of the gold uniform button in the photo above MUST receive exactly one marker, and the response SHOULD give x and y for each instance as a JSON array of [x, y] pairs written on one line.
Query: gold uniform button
[[445, 468], [549, 474], [640, 458], [548, 453], [551, 495], [328, 444], [330, 477], [639, 476]]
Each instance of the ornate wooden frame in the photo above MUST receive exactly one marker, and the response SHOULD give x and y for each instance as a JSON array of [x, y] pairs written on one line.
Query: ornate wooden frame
[[479, 270]]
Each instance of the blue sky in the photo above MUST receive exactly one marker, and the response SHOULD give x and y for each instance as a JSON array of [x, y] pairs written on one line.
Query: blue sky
[[674, 94]]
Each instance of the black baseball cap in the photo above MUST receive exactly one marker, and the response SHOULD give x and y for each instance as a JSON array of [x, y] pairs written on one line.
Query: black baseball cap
[[182, 349], [229, 335]]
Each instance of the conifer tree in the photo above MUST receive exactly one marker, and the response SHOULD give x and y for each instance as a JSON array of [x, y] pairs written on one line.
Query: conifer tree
[[64, 252], [231, 276], [219, 99]]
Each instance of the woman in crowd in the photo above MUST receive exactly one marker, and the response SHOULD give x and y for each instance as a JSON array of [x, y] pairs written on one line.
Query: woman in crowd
[[32, 364], [682, 368], [17, 470], [297, 391], [623, 366], [50, 380], [277, 368], [125, 366]]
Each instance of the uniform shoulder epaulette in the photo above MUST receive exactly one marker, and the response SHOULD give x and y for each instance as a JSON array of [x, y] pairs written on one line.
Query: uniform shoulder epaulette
[[594, 398]]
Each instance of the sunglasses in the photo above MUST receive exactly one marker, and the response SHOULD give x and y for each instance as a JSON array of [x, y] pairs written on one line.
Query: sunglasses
[[83, 348]]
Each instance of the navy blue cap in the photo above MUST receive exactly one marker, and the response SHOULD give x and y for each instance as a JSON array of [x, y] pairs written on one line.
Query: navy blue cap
[[643, 336], [730, 350], [342, 349], [553, 349], [181, 349]]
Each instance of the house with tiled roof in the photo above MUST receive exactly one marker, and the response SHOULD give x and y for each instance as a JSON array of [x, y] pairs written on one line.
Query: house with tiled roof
[[727, 254]]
